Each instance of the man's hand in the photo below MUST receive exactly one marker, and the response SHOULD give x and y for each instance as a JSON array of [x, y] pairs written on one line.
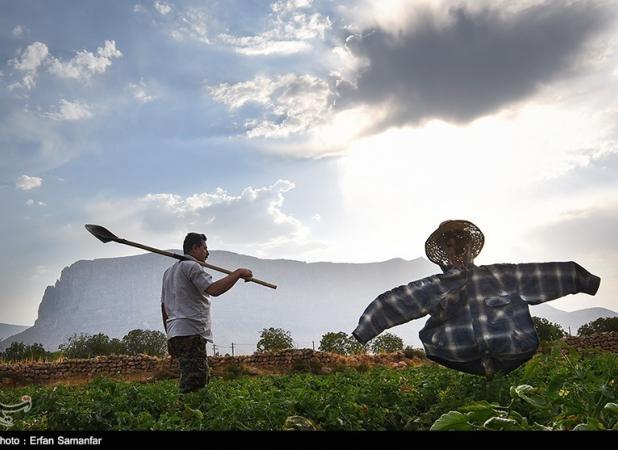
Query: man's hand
[[245, 274], [224, 284]]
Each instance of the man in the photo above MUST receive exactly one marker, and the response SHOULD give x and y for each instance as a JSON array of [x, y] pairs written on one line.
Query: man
[[479, 317], [185, 306]]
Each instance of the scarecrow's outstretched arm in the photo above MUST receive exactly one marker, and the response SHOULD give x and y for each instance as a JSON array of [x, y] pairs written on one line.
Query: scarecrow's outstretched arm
[[397, 306], [541, 282]]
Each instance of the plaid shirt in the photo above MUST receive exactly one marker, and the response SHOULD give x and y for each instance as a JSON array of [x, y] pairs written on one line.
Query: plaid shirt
[[479, 312]]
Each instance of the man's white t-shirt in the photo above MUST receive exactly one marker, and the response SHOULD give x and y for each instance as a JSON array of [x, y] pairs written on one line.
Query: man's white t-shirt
[[186, 303]]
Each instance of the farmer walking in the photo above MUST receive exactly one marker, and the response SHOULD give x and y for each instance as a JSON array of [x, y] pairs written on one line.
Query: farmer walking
[[479, 315], [185, 306]]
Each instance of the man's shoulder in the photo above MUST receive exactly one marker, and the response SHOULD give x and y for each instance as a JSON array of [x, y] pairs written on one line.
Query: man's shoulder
[[182, 265]]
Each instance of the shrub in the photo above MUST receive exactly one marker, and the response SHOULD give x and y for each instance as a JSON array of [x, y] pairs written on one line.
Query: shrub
[[341, 343], [411, 352], [148, 342], [386, 343], [274, 340], [602, 324], [546, 330]]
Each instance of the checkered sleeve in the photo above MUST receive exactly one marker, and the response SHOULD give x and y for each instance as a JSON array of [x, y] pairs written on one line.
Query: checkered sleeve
[[541, 282], [397, 306]]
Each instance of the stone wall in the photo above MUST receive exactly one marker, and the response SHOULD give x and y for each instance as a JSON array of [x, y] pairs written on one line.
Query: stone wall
[[259, 363], [604, 341]]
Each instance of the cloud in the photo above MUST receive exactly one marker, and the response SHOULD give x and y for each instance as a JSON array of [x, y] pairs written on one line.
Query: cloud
[[252, 221], [70, 111], [82, 67], [17, 31], [292, 103], [26, 183], [29, 62], [31, 202], [588, 231], [191, 24], [163, 8], [85, 64], [469, 63], [139, 92], [290, 29]]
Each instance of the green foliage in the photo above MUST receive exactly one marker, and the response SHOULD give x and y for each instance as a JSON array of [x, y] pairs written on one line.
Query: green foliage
[[274, 340], [88, 346], [411, 352], [602, 324], [83, 345], [148, 342], [574, 397], [555, 390], [386, 343], [18, 351], [546, 330], [341, 343]]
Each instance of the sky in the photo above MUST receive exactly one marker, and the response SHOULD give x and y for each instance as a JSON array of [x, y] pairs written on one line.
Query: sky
[[312, 130]]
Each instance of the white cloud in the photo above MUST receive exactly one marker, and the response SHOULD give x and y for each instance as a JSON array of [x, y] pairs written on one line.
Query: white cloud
[[86, 64], [26, 183], [70, 111], [139, 92], [290, 30], [192, 24], [29, 62], [298, 116], [293, 103], [252, 221], [163, 8], [17, 31], [31, 202], [40, 272]]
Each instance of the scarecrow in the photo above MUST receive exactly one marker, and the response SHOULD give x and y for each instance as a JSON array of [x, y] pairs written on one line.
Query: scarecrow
[[479, 315]]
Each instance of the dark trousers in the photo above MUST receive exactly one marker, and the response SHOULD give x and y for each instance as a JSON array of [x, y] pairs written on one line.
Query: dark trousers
[[190, 351]]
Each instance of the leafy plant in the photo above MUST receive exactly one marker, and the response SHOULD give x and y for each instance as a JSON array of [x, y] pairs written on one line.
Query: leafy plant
[[341, 343], [274, 340], [547, 331], [386, 343], [602, 324]]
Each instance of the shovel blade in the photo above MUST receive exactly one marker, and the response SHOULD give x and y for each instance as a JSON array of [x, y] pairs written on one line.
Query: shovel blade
[[101, 233]]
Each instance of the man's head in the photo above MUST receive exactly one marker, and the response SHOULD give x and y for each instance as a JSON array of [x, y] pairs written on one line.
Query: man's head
[[195, 245], [454, 244]]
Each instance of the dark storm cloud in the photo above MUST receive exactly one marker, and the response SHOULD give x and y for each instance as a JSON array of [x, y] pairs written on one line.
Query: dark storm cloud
[[472, 65]]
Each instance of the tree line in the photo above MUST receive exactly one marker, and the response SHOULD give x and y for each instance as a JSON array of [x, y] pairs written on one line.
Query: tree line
[[154, 343]]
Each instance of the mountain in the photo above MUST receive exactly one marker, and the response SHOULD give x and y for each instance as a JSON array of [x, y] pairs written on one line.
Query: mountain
[[116, 295], [571, 320], [7, 330]]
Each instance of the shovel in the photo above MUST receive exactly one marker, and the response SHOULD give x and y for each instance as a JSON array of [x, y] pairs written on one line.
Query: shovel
[[105, 236]]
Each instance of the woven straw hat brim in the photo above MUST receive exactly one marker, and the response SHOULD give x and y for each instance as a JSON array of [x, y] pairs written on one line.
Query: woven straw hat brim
[[435, 246]]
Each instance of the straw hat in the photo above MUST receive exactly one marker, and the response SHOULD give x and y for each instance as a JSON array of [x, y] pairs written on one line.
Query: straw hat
[[461, 230]]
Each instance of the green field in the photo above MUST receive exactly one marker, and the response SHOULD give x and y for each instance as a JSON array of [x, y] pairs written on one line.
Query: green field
[[553, 391]]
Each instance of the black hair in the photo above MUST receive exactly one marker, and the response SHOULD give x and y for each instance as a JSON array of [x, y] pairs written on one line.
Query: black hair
[[192, 239]]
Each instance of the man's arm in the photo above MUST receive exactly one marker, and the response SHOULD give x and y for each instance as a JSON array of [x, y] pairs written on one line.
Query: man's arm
[[163, 311], [164, 315], [225, 284], [395, 307], [541, 282]]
